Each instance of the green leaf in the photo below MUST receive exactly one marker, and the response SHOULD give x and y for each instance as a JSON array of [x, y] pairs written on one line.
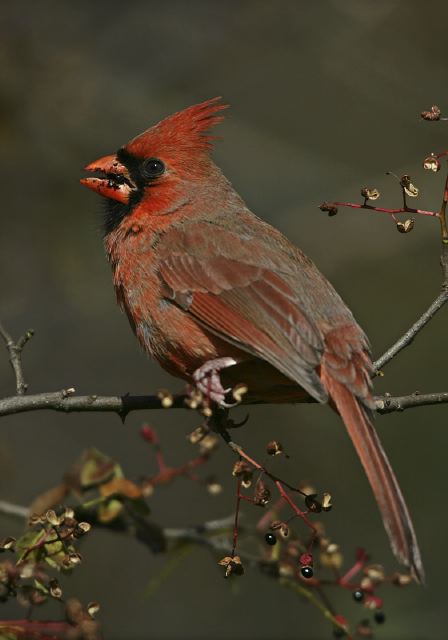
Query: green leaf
[[27, 541]]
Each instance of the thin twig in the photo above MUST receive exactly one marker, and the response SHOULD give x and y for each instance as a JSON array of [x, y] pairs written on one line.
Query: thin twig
[[355, 205], [407, 338], [15, 356], [10, 509], [438, 303]]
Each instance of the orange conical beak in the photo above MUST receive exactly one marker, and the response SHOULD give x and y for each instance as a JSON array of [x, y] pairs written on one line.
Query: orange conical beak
[[116, 184]]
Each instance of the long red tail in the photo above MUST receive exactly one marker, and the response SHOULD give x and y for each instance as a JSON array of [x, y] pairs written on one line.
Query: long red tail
[[394, 511]]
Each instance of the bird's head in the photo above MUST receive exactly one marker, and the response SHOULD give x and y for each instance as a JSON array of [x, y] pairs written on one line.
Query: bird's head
[[153, 173]]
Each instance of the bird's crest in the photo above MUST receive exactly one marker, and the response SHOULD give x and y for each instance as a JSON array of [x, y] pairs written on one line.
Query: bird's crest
[[184, 130]]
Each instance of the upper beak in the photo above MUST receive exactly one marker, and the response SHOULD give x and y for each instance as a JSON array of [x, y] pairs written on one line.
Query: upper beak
[[116, 184]]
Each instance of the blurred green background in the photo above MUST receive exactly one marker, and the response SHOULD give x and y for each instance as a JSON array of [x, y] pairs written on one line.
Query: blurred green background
[[325, 98]]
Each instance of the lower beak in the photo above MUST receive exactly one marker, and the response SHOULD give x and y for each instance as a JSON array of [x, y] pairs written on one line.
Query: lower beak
[[116, 183]]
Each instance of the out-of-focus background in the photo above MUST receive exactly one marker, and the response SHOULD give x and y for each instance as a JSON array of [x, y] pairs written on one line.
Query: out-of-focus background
[[325, 98]]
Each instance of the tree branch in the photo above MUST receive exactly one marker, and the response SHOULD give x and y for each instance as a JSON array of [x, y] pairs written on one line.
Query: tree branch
[[410, 334], [390, 404], [65, 402], [15, 356]]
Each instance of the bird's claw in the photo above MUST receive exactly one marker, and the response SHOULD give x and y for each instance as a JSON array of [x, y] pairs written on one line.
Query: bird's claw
[[208, 381]]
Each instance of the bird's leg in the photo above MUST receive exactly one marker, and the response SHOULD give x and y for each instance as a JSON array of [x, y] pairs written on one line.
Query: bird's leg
[[208, 380]]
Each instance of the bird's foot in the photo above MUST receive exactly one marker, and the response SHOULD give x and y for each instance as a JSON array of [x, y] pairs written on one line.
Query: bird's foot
[[208, 381]]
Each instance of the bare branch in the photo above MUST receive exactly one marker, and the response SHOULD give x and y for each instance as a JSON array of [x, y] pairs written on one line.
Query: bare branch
[[410, 334], [10, 509], [15, 356], [64, 402], [389, 404]]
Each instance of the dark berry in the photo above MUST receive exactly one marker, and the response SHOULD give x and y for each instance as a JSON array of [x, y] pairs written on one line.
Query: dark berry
[[338, 632], [307, 572], [270, 538], [380, 618], [358, 595]]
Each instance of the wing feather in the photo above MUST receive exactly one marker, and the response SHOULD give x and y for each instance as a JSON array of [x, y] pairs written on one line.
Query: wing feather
[[246, 304]]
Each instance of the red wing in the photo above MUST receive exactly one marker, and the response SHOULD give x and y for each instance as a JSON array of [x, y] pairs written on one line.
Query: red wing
[[247, 305], [347, 360]]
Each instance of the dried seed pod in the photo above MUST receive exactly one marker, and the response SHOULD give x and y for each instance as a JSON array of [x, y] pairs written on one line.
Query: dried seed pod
[[262, 495], [207, 412], [329, 208], [331, 560], [406, 226], [373, 602], [7, 544], [366, 584], [312, 503], [281, 527], [431, 163], [285, 570], [82, 528], [55, 589], [274, 448], [208, 444], [52, 518], [68, 513], [233, 565], [327, 503], [214, 488], [239, 391], [402, 579], [409, 188], [27, 571], [370, 193], [197, 434], [93, 608], [242, 468], [166, 398], [194, 398], [375, 572], [433, 114], [74, 558]]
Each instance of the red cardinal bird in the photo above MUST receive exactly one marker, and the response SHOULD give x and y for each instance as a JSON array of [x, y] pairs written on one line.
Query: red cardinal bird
[[218, 296]]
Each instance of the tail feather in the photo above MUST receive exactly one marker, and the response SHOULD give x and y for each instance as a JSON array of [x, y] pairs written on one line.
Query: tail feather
[[395, 514]]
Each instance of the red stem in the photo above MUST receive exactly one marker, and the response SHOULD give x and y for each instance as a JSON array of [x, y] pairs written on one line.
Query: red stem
[[356, 568], [237, 513], [295, 508], [354, 205]]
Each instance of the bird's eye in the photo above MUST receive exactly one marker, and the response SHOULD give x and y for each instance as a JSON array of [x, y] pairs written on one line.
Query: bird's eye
[[153, 168]]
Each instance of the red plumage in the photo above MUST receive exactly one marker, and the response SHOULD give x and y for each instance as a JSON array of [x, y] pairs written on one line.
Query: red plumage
[[202, 279]]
